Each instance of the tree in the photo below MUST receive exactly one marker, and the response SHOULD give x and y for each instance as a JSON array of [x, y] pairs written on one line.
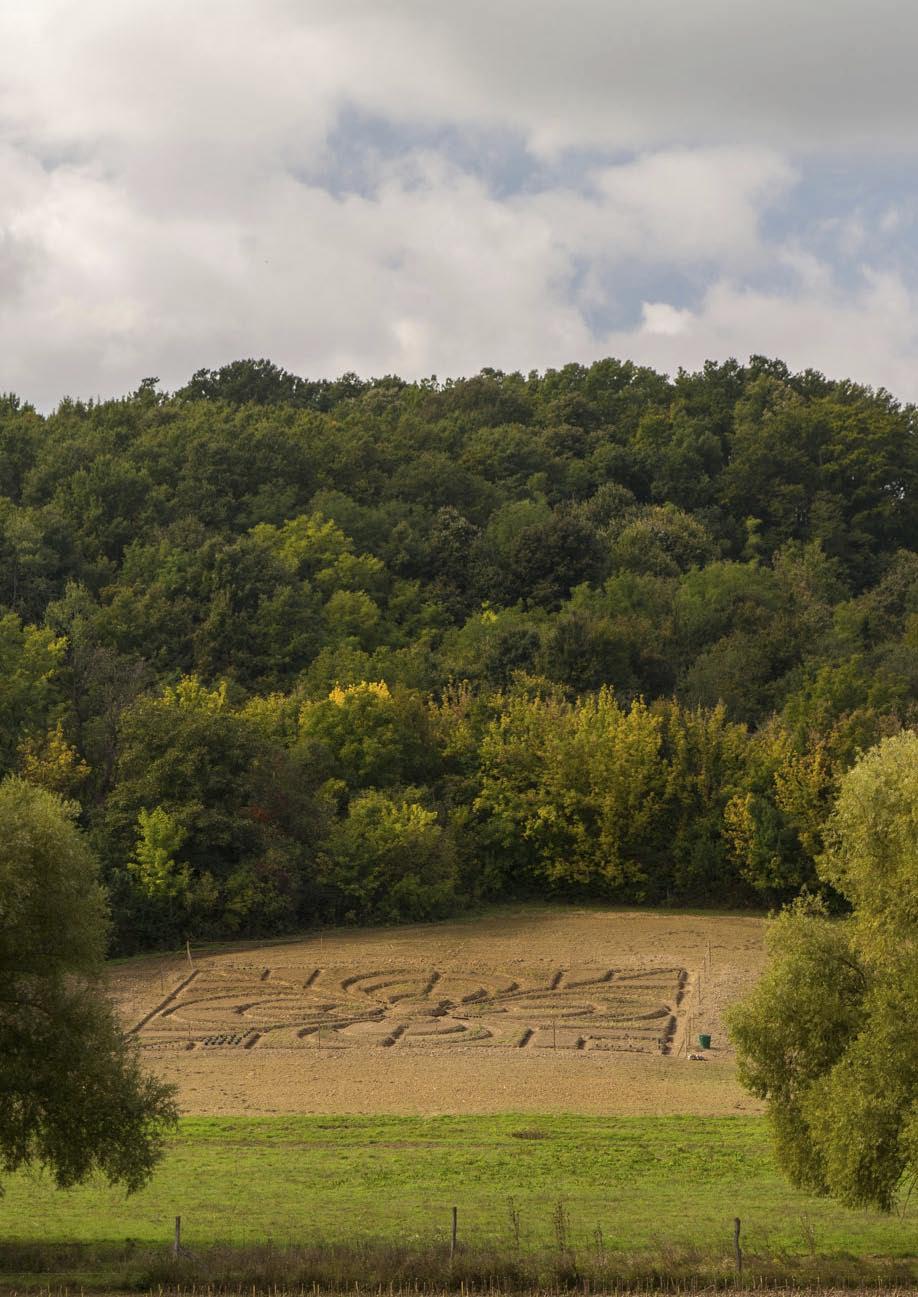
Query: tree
[[74, 1098], [370, 736], [662, 540], [389, 860], [257, 381], [829, 1038], [546, 560], [705, 757], [153, 864], [53, 763], [573, 792], [30, 661], [200, 780]]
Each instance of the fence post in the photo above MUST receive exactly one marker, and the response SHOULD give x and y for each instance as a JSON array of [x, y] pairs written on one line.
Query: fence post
[[737, 1254], [188, 949], [177, 1241], [455, 1230]]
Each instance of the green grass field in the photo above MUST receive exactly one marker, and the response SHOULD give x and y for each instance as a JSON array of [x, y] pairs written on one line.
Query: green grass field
[[656, 1186]]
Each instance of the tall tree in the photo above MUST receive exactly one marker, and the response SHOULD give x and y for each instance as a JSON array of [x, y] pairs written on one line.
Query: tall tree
[[73, 1097], [829, 1038]]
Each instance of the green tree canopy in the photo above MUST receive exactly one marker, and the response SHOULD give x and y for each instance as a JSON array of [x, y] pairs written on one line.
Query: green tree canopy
[[829, 1038], [389, 859], [72, 1095], [732, 550]]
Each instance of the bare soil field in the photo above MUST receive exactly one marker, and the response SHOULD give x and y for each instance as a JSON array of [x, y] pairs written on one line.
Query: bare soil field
[[535, 1009]]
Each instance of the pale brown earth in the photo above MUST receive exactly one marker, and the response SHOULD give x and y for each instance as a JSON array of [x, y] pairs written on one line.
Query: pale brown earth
[[536, 1009]]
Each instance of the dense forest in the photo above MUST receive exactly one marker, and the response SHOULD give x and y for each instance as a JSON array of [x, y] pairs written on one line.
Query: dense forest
[[336, 651]]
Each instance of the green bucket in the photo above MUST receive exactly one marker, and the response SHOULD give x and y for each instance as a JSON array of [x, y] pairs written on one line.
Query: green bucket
[[704, 1041]]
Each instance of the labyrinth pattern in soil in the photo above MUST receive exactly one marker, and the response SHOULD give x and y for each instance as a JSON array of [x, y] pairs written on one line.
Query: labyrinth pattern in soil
[[224, 1006]]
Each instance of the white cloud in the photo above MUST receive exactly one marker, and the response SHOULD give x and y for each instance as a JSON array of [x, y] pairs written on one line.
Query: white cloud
[[155, 213], [869, 334], [607, 74], [659, 318], [437, 276], [430, 273], [626, 74], [679, 206]]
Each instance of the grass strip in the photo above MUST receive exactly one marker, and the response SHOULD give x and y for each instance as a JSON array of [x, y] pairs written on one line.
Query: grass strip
[[275, 1195]]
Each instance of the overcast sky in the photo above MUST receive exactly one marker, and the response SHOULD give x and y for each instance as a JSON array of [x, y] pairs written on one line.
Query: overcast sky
[[430, 186]]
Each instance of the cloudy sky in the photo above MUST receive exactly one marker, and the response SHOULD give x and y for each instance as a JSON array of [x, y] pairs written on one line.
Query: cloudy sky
[[430, 186]]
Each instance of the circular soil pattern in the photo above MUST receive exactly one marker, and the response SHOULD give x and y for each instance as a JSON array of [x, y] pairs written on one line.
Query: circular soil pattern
[[244, 1006]]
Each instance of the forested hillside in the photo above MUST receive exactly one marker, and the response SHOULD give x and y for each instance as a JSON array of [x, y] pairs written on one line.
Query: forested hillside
[[338, 651]]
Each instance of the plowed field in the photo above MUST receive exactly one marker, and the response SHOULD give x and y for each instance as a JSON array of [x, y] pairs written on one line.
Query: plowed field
[[536, 1009]]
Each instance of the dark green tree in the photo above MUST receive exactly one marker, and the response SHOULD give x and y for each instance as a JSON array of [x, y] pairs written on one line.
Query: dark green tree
[[243, 820]]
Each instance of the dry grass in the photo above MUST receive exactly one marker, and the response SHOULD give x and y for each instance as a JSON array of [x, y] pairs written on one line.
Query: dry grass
[[397, 1270]]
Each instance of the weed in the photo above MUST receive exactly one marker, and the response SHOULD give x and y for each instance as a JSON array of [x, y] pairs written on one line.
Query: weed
[[561, 1224], [513, 1216]]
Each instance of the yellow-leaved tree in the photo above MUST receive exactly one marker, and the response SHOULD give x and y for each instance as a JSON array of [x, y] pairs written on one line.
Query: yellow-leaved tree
[[571, 789]]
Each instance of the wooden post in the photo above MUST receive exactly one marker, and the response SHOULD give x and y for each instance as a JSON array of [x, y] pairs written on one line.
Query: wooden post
[[177, 1241], [737, 1254], [188, 948], [455, 1230]]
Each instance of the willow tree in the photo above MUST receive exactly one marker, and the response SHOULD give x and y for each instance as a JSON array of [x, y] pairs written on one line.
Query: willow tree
[[73, 1097], [829, 1038]]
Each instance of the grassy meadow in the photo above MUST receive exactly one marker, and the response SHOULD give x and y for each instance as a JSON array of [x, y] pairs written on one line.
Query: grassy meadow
[[658, 1192]]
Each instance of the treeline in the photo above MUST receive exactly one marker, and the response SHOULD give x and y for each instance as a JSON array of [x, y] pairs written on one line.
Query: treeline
[[338, 651]]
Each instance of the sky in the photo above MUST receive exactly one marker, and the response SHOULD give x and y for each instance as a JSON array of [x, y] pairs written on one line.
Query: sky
[[427, 187]]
